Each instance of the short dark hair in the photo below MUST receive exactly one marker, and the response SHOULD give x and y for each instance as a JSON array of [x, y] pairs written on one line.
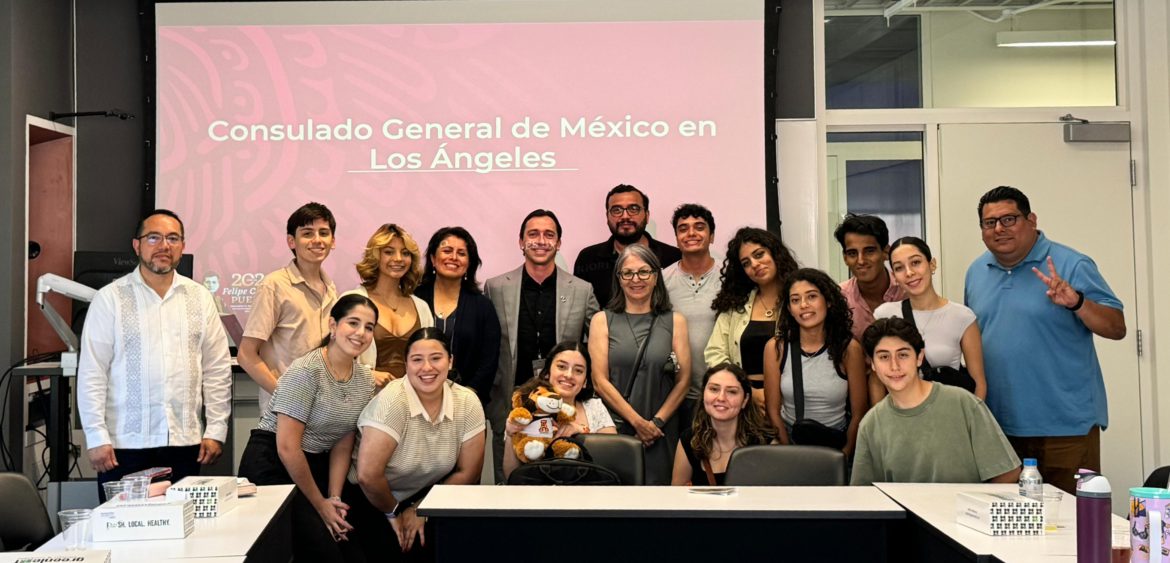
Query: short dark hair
[[469, 283], [307, 214], [865, 225], [692, 210], [152, 213], [626, 188], [540, 213], [912, 241], [894, 327], [1005, 193]]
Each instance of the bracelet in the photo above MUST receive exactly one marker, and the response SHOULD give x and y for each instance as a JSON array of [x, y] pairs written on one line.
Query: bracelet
[[1080, 302], [335, 497], [390, 515]]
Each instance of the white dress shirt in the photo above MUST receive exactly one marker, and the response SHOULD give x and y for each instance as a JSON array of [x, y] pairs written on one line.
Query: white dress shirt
[[149, 364]]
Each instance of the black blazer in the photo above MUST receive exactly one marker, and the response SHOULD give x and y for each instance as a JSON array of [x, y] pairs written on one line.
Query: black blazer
[[475, 339]]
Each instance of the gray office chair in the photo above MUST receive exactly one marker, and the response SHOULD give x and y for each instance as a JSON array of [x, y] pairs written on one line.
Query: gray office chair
[[777, 465], [24, 522], [619, 453]]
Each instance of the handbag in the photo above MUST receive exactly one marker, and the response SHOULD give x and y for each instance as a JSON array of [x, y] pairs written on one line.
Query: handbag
[[560, 471], [806, 431], [946, 375]]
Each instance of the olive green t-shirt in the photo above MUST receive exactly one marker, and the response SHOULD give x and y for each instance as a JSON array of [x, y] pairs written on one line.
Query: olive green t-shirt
[[950, 438]]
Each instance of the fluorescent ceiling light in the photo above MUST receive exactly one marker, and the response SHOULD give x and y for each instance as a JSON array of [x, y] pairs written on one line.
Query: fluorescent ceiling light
[[1060, 38]]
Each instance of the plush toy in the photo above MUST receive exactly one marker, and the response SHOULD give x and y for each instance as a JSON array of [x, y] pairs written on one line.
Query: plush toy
[[535, 412]]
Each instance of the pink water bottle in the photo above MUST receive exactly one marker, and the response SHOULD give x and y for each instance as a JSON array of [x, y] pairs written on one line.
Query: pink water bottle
[[1093, 519]]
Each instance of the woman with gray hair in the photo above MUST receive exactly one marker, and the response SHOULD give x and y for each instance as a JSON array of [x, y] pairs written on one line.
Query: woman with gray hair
[[641, 359]]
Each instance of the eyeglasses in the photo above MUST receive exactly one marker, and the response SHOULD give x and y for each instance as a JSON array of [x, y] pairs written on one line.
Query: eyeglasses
[[155, 238], [1008, 221], [643, 274], [633, 210]]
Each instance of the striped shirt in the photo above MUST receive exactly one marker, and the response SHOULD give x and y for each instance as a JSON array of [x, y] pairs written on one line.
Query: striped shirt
[[427, 450], [328, 408]]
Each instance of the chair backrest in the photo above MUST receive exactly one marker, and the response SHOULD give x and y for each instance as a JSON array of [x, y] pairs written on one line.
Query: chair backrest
[[619, 453], [1159, 478], [777, 465], [24, 522]]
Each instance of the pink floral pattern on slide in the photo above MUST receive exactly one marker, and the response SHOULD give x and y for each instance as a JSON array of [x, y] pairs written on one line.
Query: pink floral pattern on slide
[[235, 193]]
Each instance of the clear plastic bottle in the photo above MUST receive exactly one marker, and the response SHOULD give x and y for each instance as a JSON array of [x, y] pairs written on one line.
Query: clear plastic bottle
[[1031, 484]]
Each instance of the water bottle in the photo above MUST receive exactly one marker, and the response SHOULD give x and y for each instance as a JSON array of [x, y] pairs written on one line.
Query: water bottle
[[1031, 484], [1093, 519]]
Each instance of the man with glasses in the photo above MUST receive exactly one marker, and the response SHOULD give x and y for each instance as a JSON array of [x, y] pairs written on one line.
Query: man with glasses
[[154, 363], [290, 312], [627, 213], [539, 305], [1038, 304]]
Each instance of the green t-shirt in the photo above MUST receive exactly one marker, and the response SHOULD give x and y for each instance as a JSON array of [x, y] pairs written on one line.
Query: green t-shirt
[[950, 438]]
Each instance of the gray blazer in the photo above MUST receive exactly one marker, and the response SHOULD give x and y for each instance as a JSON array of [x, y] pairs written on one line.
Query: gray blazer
[[575, 306]]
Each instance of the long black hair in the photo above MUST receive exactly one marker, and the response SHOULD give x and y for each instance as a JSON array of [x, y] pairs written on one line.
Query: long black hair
[[346, 304], [838, 318], [542, 378]]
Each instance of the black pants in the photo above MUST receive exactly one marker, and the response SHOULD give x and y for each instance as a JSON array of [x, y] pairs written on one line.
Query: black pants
[[376, 538], [183, 461], [311, 540]]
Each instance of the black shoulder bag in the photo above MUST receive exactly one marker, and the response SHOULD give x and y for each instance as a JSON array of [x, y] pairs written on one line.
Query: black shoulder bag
[[559, 471], [806, 431], [946, 375]]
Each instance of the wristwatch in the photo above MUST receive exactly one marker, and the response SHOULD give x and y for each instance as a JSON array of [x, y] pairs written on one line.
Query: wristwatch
[[658, 422]]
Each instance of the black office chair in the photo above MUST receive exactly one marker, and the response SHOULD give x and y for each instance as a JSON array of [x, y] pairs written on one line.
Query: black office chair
[[619, 453], [1159, 478], [777, 465], [24, 521]]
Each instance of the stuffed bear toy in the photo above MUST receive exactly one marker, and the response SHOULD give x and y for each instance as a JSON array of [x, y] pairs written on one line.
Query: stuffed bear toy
[[535, 412]]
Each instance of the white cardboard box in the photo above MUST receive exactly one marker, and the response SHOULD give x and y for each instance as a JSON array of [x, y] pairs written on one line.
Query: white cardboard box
[[84, 556], [212, 495], [143, 520], [1000, 514]]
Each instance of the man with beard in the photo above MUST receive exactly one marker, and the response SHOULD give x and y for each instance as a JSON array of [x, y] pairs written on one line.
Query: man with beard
[[627, 212], [539, 305], [153, 355]]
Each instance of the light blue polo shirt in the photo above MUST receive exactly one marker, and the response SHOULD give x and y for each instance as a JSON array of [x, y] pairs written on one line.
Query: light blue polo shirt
[[1043, 377]]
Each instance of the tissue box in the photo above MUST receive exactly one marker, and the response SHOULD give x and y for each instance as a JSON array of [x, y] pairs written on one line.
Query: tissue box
[[84, 556], [142, 520], [212, 496], [1000, 514]]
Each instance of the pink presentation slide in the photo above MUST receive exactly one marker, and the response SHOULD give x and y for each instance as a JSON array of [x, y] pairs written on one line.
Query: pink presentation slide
[[430, 125]]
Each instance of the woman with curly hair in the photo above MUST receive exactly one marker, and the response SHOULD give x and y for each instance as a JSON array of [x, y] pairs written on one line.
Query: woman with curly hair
[[815, 329], [756, 264], [727, 419], [390, 270]]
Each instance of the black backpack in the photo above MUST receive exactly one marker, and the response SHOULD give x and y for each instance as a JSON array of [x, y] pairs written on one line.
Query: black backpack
[[559, 471]]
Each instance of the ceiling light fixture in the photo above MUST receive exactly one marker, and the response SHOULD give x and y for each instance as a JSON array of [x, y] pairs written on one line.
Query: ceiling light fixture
[[1058, 38]]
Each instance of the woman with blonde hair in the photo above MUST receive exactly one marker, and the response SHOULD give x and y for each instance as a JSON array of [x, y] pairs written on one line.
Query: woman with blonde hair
[[390, 270]]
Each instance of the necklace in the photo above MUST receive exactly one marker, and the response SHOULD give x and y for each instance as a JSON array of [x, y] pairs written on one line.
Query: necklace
[[769, 312], [329, 368]]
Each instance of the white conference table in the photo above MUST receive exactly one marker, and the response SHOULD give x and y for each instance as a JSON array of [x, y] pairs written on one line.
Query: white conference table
[[666, 523], [227, 538], [934, 505]]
